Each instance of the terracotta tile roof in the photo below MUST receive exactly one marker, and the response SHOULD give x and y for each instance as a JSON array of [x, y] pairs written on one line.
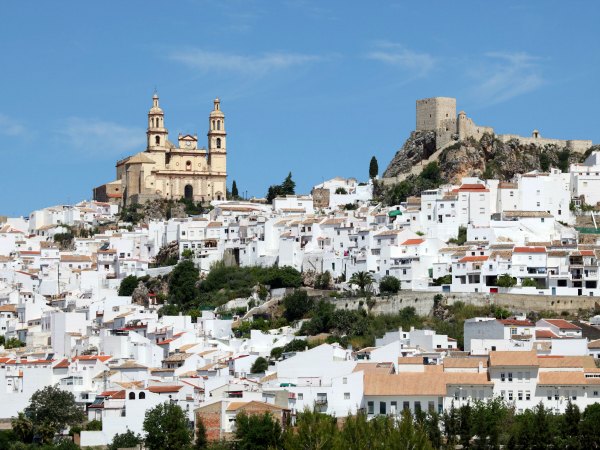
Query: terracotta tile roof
[[214, 225], [375, 367], [513, 358], [555, 362], [64, 364], [545, 334], [473, 188], [565, 378], [594, 344], [102, 358], [413, 242], [473, 259], [516, 322], [8, 308], [562, 324], [529, 250], [410, 360], [428, 383], [464, 363], [254, 405], [157, 389]]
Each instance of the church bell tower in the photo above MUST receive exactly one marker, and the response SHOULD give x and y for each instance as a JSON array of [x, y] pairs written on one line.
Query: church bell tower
[[217, 139], [157, 133]]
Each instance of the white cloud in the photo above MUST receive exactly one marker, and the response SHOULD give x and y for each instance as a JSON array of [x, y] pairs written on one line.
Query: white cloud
[[10, 127], [506, 75], [246, 64], [97, 137], [400, 56]]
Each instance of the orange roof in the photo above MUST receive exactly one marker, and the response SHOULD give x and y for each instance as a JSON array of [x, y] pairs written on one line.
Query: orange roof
[[545, 334], [555, 362], [413, 242], [473, 188], [529, 250], [513, 358], [102, 358], [517, 322], [473, 259], [64, 364], [562, 324], [163, 389]]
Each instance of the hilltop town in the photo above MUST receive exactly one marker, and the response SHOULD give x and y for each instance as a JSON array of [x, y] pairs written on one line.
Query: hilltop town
[[362, 298]]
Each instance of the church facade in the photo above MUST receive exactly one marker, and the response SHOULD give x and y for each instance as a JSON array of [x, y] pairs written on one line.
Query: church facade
[[172, 171]]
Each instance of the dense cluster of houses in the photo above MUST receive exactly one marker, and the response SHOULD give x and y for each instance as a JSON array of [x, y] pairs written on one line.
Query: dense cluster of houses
[[60, 269]]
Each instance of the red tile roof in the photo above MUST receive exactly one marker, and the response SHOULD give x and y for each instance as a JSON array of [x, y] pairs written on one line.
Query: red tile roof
[[545, 334], [562, 324], [64, 364], [473, 259], [164, 389], [529, 250], [522, 323], [413, 242], [473, 188], [102, 358]]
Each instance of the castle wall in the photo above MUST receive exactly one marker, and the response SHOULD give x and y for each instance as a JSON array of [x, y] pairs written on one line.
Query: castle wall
[[431, 112], [467, 128], [579, 146]]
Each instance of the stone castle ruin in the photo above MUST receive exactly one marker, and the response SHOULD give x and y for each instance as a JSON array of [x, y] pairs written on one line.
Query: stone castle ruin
[[438, 114]]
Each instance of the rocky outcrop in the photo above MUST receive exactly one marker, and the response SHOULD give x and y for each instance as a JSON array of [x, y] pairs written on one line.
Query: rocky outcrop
[[419, 146], [486, 158]]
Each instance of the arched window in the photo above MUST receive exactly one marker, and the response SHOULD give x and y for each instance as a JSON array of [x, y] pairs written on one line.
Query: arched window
[[132, 396], [218, 142], [157, 140], [213, 122], [188, 165], [218, 124], [142, 395]]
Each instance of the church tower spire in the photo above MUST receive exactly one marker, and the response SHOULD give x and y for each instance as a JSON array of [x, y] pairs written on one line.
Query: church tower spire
[[217, 139], [157, 133]]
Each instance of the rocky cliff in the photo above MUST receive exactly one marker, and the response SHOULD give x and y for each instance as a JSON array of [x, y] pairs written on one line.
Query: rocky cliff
[[486, 158]]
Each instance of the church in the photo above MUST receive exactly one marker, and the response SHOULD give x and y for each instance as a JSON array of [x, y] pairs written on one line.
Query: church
[[170, 171]]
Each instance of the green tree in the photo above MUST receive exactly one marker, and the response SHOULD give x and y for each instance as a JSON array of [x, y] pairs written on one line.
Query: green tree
[[506, 281], [13, 342], [296, 305], [257, 431], [166, 428], [125, 440], [182, 283], [389, 285], [288, 187], [589, 428], [201, 442], [51, 410], [323, 280], [187, 254], [234, 190], [569, 427], [260, 365], [373, 168], [93, 425], [528, 282], [22, 427], [314, 430], [361, 279], [128, 285]]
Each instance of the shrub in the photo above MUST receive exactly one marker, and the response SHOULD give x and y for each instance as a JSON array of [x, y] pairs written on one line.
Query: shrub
[[389, 285], [260, 365]]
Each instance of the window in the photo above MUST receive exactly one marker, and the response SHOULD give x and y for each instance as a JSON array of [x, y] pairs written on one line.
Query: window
[[520, 395], [132, 396], [503, 395], [346, 395], [382, 407], [417, 406], [527, 395], [218, 142], [431, 406], [509, 376], [405, 406], [300, 396], [393, 407], [549, 397], [370, 407], [344, 380], [510, 396], [157, 140]]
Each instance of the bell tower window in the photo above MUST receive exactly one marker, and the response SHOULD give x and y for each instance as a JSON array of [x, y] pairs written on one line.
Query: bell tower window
[[218, 124], [157, 140], [218, 142], [188, 165]]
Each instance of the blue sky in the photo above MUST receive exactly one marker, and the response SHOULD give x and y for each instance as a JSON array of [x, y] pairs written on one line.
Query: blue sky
[[315, 87]]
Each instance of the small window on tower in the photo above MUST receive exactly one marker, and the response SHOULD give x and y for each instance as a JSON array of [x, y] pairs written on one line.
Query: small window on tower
[[218, 142], [188, 165], [218, 124], [157, 140]]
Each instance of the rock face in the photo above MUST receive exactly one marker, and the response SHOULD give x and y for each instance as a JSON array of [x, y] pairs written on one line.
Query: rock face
[[486, 158], [420, 145]]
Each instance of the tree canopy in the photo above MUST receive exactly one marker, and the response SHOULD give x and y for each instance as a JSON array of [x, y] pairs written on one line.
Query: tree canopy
[[166, 428], [373, 168], [128, 285]]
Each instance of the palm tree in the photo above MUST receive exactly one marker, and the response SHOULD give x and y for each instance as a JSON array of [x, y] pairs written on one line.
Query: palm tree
[[362, 280]]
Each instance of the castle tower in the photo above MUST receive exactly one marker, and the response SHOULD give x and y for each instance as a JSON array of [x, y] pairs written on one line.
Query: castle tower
[[217, 139], [157, 133]]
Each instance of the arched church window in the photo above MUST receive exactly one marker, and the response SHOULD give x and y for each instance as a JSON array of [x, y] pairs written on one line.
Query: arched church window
[[157, 140], [213, 123], [218, 142], [142, 395], [132, 396], [218, 124]]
